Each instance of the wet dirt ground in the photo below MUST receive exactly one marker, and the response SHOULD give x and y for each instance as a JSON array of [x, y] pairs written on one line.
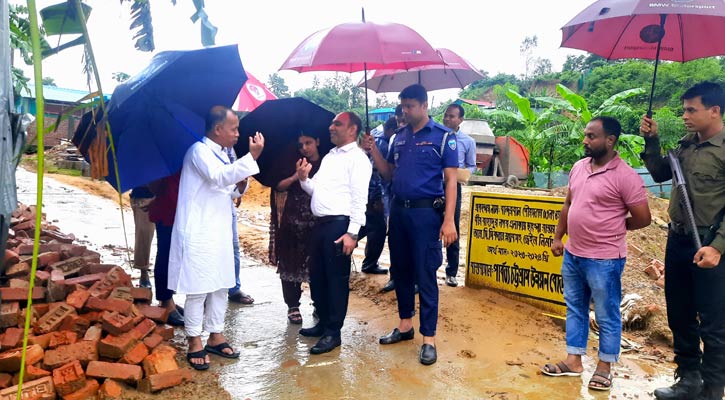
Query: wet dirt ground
[[489, 346]]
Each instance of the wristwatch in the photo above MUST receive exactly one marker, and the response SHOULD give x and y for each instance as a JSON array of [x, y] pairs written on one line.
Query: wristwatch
[[353, 236]]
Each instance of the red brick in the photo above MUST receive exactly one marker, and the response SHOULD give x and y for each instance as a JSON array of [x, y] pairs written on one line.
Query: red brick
[[136, 315], [10, 258], [22, 235], [39, 389], [19, 269], [158, 314], [122, 372], [94, 333], [54, 318], [78, 298], [10, 360], [69, 378], [41, 277], [59, 236], [9, 314], [18, 283], [110, 390], [62, 338], [25, 249], [652, 272], [115, 323], [41, 340], [85, 280], [661, 282], [25, 226], [41, 308], [18, 294], [121, 293], [115, 347], [142, 294], [166, 331], [135, 355], [32, 373], [75, 323], [143, 329], [6, 380], [71, 250], [83, 351], [89, 391], [96, 268], [114, 278], [92, 316], [98, 304], [11, 338], [153, 340], [48, 258], [70, 265], [164, 380], [161, 359]]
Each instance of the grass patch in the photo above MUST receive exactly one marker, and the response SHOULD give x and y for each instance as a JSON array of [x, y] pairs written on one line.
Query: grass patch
[[63, 171]]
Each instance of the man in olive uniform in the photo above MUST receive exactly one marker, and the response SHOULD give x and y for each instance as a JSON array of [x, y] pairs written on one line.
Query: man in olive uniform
[[695, 278]]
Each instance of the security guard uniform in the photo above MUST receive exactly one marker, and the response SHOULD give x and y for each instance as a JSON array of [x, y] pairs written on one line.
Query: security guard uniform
[[416, 217]]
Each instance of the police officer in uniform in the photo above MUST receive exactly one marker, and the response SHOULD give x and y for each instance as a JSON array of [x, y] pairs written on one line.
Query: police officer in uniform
[[422, 155], [695, 278]]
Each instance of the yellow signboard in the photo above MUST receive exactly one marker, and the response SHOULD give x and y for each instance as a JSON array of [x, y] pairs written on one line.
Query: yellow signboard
[[509, 247]]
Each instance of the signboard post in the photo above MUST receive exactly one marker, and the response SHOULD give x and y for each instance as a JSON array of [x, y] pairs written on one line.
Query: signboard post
[[509, 247]]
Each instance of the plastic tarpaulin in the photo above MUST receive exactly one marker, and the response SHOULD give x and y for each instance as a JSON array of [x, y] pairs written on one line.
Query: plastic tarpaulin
[[8, 147]]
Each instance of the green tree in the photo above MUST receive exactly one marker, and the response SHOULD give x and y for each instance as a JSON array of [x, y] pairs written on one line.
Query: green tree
[[277, 86], [48, 81]]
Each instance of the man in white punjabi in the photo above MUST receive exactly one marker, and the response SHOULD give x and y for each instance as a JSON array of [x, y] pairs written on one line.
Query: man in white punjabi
[[201, 265], [339, 193]]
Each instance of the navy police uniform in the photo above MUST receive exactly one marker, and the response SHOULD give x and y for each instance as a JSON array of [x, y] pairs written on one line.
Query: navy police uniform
[[416, 217]]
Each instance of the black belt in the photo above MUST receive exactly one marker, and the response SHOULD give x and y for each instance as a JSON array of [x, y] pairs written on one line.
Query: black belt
[[680, 229], [419, 203], [330, 218]]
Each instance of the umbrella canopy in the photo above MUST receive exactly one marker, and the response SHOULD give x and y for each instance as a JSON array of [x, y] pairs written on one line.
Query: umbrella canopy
[[281, 121], [253, 94], [457, 72], [675, 30], [158, 114]]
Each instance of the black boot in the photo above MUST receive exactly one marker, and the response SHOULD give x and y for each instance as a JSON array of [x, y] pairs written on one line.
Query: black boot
[[688, 387], [711, 392]]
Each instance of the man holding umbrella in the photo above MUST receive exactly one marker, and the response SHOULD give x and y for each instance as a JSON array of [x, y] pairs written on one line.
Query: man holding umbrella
[[201, 265], [695, 278], [422, 154]]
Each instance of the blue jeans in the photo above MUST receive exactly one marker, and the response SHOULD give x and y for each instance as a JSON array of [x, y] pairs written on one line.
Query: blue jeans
[[586, 279], [235, 245]]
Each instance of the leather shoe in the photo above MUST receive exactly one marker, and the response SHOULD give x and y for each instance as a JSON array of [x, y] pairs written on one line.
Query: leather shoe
[[390, 286], [375, 269], [175, 319], [241, 297], [326, 344], [428, 354], [451, 281], [315, 331], [144, 281], [396, 336], [688, 386], [711, 393]]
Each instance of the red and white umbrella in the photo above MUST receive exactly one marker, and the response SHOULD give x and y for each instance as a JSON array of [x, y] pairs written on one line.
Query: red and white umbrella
[[253, 94]]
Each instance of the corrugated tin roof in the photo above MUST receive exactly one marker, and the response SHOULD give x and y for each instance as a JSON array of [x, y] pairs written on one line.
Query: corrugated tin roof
[[54, 93], [382, 110]]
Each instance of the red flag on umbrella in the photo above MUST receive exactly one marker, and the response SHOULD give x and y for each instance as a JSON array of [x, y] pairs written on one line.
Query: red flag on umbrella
[[253, 94]]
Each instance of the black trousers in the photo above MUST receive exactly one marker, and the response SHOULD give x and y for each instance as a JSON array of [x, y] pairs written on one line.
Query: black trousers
[[329, 275], [161, 268], [695, 310], [376, 230], [291, 292], [453, 250]]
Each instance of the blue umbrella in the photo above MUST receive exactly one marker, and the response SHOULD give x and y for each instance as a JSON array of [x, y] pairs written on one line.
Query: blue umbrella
[[158, 114]]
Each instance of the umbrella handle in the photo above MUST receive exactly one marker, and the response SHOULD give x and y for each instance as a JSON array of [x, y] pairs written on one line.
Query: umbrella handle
[[663, 18]]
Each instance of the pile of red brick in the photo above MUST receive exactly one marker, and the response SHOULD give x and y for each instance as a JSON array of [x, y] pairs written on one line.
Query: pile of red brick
[[90, 328]]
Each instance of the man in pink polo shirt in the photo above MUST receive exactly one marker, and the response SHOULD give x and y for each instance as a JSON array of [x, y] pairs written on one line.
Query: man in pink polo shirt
[[606, 199]]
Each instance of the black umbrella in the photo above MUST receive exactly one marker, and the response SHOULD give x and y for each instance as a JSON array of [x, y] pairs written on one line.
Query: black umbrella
[[281, 121]]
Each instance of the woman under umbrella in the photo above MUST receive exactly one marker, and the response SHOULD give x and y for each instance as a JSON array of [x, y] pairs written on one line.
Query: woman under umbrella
[[290, 225]]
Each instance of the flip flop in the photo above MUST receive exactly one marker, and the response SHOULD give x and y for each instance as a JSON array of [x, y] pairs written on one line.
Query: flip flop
[[550, 369], [600, 381], [219, 350], [294, 316], [197, 354]]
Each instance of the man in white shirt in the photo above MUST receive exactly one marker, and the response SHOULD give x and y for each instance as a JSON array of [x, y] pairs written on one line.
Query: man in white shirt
[[201, 264], [339, 193]]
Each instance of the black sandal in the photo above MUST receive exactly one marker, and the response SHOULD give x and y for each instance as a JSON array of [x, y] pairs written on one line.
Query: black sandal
[[294, 316], [600, 381], [198, 354]]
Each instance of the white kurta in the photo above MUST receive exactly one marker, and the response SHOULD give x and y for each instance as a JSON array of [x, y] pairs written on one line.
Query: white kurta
[[201, 259]]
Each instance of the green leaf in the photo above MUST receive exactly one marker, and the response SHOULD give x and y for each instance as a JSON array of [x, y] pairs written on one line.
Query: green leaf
[[523, 104], [576, 101]]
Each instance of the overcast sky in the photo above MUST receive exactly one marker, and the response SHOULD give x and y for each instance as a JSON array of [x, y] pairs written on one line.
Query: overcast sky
[[486, 32]]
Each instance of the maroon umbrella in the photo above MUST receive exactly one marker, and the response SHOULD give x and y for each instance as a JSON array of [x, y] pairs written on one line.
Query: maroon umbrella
[[675, 30], [359, 46]]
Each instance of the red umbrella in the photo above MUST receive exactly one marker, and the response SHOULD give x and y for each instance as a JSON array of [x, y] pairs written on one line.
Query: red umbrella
[[359, 46], [253, 94], [457, 72], [675, 30]]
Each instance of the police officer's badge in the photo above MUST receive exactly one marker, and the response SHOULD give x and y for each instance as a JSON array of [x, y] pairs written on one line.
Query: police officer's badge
[[452, 144]]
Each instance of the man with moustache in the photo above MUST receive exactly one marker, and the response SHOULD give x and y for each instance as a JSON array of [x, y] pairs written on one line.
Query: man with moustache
[[339, 193], [603, 190], [695, 278]]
